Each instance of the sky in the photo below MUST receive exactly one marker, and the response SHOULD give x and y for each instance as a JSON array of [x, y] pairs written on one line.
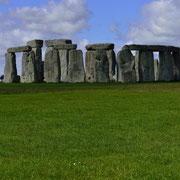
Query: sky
[[88, 21]]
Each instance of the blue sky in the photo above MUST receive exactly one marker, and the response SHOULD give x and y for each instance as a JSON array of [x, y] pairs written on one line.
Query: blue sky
[[89, 21]]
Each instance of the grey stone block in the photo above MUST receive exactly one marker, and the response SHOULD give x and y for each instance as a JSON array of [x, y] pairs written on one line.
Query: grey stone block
[[10, 70], [112, 64], [28, 74], [52, 66], [166, 68], [35, 43], [176, 57], [156, 70], [144, 64], [64, 65], [90, 63], [126, 66], [151, 48], [19, 49], [65, 46], [76, 66], [51, 43], [101, 68], [101, 46]]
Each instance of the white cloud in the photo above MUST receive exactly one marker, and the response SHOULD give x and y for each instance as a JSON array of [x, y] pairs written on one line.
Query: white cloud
[[160, 24], [54, 20]]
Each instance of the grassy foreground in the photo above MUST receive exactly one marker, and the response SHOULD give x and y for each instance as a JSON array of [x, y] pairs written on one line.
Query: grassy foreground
[[90, 131]]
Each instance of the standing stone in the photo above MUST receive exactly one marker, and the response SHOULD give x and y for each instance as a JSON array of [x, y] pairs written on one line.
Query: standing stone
[[144, 64], [52, 65], [126, 66], [90, 62], [64, 65], [10, 70], [101, 68], [28, 74], [112, 64], [156, 71], [176, 57], [166, 72], [76, 67]]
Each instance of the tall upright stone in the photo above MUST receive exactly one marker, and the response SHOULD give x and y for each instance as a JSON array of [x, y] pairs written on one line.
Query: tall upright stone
[[76, 66], [29, 73], [10, 70], [52, 65], [101, 68], [176, 57], [112, 64], [156, 70], [166, 69], [126, 66], [36, 46], [144, 64], [90, 63]]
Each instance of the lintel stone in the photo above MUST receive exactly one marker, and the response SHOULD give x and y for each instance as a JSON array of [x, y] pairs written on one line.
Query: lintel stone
[[100, 46], [35, 43], [65, 46], [19, 49], [157, 48], [51, 43]]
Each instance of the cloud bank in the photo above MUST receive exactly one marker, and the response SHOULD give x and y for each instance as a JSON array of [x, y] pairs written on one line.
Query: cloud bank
[[64, 19]]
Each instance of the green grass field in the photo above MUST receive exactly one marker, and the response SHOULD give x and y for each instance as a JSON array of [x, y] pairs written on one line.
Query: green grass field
[[90, 131]]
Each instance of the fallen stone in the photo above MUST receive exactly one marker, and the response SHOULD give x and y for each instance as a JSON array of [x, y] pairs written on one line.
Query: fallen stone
[[90, 63], [65, 46], [10, 70], [126, 66], [76, 66], [156, 71], [51, 43], [150, 48], [101, 68], [166, 69], [144, 64], [28, 74], [38, 63], [112, 64], [64, 65], [52, 66], [35, 43], [19, 49], [102, 46], [176, 57]]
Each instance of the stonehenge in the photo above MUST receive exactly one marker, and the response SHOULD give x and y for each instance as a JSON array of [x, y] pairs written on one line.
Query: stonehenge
[[63, 62]]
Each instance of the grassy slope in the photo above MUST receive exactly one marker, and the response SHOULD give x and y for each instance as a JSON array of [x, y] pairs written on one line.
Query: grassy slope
[[90, 131]]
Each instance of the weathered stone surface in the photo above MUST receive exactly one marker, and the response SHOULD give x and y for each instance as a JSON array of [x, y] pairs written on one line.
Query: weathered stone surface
[[101, 46], [52, 65], [126, 66], [166, 71], [156, 69], [38, 63], [112, 64], [19, 49], [10, 70], [64, 65], [35, 43], [65, 46], [101, 68], [144, 64], [28, 74], [151, 48], [176, 57], [90, 63], [51, 43], [76, 66]]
